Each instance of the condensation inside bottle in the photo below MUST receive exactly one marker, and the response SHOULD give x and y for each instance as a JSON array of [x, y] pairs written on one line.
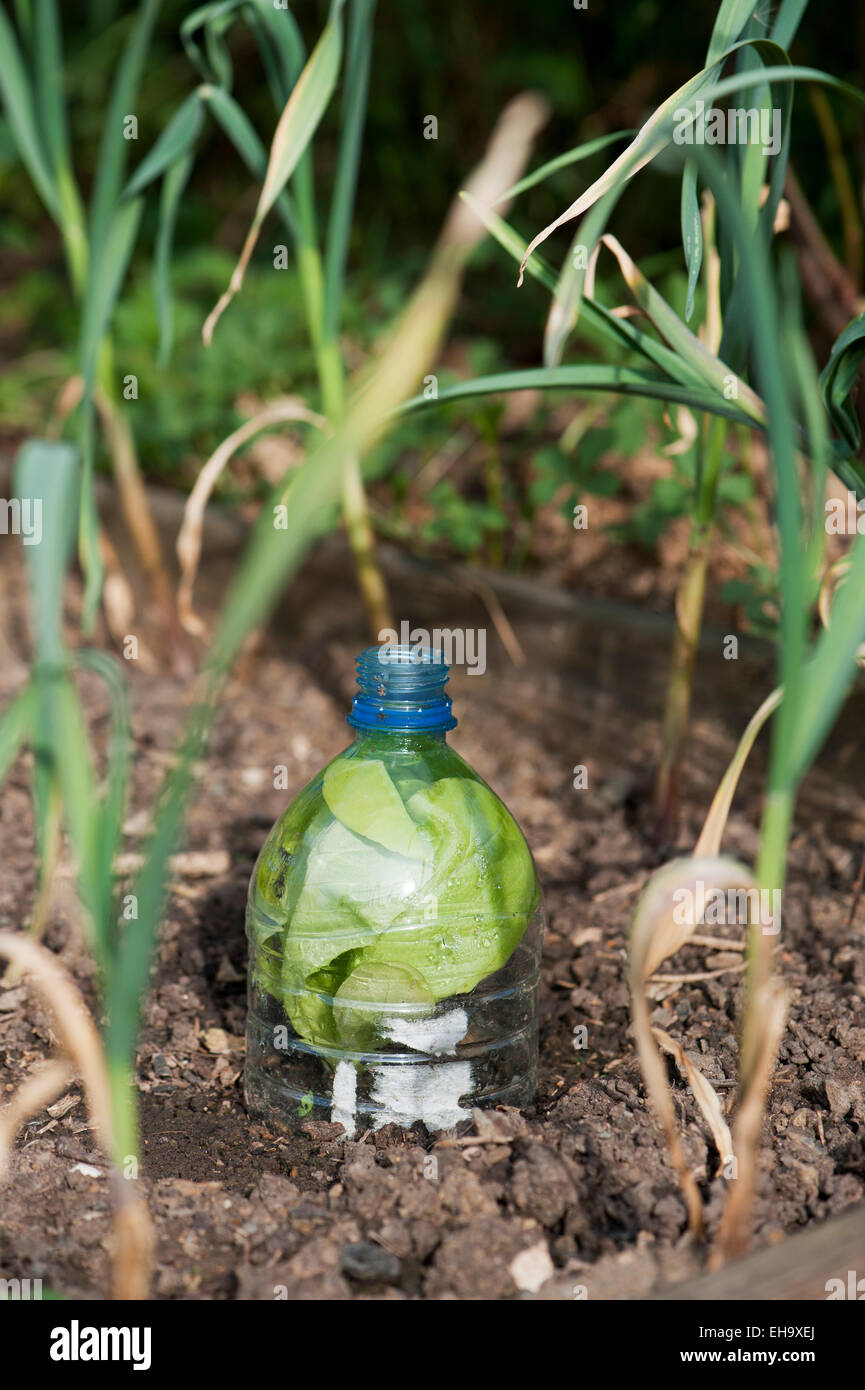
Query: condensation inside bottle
[[395, 926]]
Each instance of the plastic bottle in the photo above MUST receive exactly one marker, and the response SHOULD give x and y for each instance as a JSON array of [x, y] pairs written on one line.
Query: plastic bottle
[[395, 926]]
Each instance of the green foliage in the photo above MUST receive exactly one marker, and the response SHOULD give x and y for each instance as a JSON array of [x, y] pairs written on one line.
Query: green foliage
[[384, 888], [186, 408], [756, 594], [464, 522], [670, 498]]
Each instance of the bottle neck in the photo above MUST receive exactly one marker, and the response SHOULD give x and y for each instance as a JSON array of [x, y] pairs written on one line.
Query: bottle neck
[[401, 691]]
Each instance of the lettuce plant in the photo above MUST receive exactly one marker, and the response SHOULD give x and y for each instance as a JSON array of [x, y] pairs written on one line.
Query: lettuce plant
[[396, 879]]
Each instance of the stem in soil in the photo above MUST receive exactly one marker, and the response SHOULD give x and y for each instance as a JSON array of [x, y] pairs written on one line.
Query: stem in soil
[[124, 1113], [771, 874], [132, 1229], [690, 601], [689, 615], [761, 1028]]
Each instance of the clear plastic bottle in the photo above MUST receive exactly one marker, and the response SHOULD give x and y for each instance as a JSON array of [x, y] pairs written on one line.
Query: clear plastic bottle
[[394, 927]]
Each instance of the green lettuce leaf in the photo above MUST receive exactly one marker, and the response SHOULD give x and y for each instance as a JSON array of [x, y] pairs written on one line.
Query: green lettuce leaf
[[361, 794], [374, 992], [477, 903], [352, 891], [397, 893]]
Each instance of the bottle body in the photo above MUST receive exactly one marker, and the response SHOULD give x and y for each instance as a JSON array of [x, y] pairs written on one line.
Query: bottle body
[[395, 928]]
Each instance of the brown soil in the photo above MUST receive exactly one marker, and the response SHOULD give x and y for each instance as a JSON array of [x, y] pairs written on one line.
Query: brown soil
[[243, 1214]]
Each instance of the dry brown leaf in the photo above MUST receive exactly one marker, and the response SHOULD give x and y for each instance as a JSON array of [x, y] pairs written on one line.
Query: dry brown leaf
[[216, 1040], [704, 1093], [80, 1040], [189, 536], [758, 1060], [662, 925]]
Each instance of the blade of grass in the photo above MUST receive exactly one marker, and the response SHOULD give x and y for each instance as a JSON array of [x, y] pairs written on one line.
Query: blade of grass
[[651, 138], [759, 211], [111, 235], [110, 811], [659, 929], [113, 148], [104, 281], [175, 141], [17, 94], [16, 728], [190, 533], [627, 381], [712, 833], [46, 476], [601, 323], [47, 472], [296, 126], [282, 52], [565, 309], [212, 61], [806, 385], [838, 380], [564, 161], [133, 1239], [787, 21], [244, 137], [104, 285], [692, 233], [832, 671], [281, 45], [173, 186], [730, 20], [656, 134], [358, 56], [49, 85], [712, 370]]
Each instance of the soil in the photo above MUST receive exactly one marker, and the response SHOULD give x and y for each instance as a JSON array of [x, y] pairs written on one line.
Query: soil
[[580, 1186]]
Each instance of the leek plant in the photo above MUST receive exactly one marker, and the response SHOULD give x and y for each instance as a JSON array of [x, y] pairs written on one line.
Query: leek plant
[[98, 241], [814, 677], [810, 425], [709, 371], [753, 366]]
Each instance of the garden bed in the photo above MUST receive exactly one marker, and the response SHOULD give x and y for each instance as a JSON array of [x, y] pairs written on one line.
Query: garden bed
[[582, 1182]]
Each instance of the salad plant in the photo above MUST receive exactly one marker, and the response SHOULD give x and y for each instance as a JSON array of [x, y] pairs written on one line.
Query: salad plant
[[397, 877]]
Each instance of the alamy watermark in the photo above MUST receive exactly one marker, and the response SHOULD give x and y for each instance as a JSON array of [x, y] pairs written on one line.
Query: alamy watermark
[[702, 906], [21, 516], [852, 1288], [20, 1290], [745, 125], [77, 1343], [461, 646], [845, 516]]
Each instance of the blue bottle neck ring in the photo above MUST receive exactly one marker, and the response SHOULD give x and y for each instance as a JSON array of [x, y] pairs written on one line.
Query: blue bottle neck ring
[[402, 688]]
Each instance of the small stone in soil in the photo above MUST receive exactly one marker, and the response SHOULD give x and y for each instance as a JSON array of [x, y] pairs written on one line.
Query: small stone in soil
[[369, 1263]]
